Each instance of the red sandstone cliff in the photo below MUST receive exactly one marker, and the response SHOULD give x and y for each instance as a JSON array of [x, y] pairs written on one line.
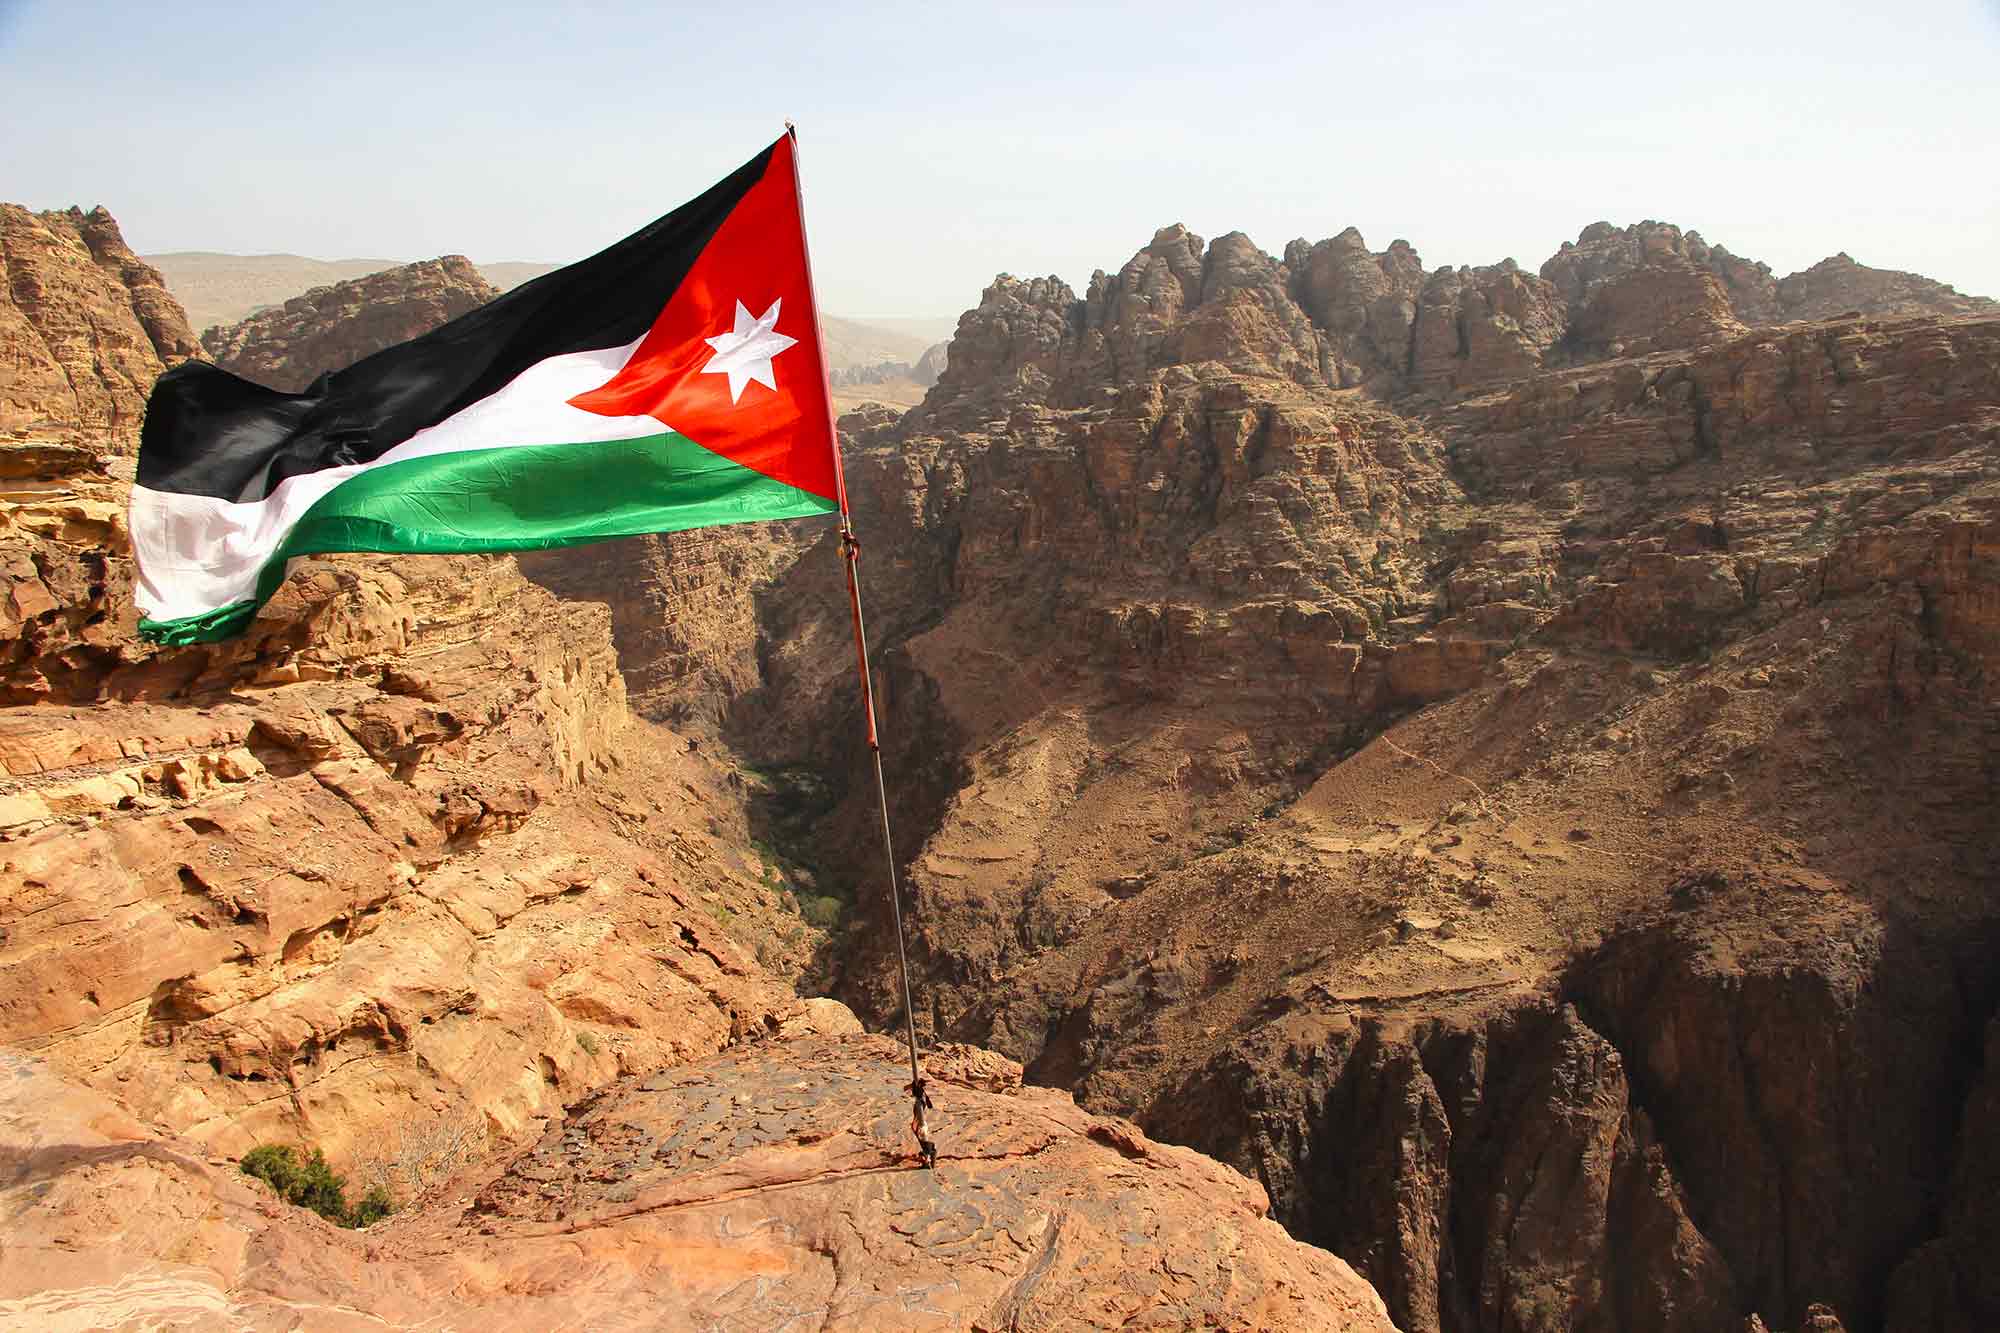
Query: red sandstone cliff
[[399, 875], [330, 328], [85, 326], [1674, 871]]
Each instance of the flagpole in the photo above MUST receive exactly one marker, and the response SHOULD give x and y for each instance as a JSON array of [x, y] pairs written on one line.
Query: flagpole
[[850, 554]]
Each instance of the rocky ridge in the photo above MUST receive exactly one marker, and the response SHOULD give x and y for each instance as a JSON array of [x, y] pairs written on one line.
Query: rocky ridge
[[743, 1191], [330, 328], [1689, 627], [400, 856], [398, 875], [86, 326]]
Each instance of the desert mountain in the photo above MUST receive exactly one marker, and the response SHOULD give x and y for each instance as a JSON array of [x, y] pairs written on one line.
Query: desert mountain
[[219, 290], [399, 875], [329, 328], [85, 326], [1505, 759], [1155, 577], [223, 289]]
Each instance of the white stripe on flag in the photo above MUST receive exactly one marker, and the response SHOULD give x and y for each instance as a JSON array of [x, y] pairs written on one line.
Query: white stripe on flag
[[196, 553]]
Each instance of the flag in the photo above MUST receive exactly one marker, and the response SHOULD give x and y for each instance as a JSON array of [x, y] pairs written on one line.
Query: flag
[[674, 381]]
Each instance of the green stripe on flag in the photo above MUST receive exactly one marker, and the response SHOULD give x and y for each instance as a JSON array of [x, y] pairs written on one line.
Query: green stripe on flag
[[517, 499]]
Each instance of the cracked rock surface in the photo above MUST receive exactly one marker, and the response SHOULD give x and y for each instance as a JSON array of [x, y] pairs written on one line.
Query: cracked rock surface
[[767, 1188]]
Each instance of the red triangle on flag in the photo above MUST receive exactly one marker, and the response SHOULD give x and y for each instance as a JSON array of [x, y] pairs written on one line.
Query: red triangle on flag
[[734, 360]]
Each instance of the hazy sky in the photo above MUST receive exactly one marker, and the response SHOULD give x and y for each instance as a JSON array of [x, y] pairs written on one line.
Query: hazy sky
[[943, 143]]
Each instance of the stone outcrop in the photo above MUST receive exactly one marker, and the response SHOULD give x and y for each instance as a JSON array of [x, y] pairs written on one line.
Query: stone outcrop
[[86, 326], [1364, 303], [398, 859], [1699, 291], [330, 328], [1665, 598], [1477, 325], [1838, 285], [1504, 760], [398, 875], [1604, 256], [741, 1191]]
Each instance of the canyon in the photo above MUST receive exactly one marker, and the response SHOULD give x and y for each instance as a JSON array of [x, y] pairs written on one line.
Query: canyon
[[400, 876], [1503, 760]]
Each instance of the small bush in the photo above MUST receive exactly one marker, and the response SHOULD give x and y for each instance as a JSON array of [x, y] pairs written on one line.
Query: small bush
[[374, 1206], [313, 1184], [823, 911], [588, 1041]]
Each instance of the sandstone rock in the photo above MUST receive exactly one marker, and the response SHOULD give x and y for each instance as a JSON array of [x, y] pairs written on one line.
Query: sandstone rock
[[85, 326], [1838, 284], [1534, 814], [330, 328], [395, 850], [1365, 304], [1119, 883], [1656, 308], [1603, 255], [775, 1187], [1476, 325]]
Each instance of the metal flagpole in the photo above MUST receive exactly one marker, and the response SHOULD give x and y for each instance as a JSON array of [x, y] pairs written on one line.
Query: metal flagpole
[[850, 554]]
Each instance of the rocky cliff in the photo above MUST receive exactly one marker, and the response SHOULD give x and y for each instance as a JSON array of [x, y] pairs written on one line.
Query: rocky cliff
[[1507, 760], [400, 859], [85, 326], [330, 328], [744, 1191], [398, 875]]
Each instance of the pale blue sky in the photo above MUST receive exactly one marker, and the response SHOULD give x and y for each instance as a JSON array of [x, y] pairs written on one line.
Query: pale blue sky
[[944, 143]]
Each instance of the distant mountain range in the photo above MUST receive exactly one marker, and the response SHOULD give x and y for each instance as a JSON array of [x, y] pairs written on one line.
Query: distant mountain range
[[221, 289]]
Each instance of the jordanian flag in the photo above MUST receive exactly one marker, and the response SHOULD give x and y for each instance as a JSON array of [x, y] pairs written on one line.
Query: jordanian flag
[[673, 381]]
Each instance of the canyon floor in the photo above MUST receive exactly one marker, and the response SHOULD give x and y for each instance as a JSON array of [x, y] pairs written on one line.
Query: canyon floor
[[1502, 762]]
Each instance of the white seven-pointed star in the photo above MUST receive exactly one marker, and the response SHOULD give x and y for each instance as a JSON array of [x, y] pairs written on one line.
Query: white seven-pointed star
[[745, 352]]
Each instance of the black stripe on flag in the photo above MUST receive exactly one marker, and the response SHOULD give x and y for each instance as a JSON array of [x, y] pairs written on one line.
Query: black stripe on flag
[[208, 432]]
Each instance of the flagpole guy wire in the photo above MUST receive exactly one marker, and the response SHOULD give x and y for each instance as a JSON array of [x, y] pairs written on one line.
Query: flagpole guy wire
[[850, 554]]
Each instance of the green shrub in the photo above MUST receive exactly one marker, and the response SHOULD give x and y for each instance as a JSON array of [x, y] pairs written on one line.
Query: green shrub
[[822, 911], [374, 1206], [313, 1184]]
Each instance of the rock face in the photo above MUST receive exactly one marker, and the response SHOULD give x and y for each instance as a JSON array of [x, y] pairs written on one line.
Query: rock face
[[397, 875], [738, 1192], [400, 860], [1534, 813], [1507, 761], [330, 328], [683, 610], [85, 326], [1838, 285]]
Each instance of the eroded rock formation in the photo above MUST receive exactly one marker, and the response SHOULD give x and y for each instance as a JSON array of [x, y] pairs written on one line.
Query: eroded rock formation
[[751, 1190], [401, 853], [1634, 978], [85, 326], [399, 876], [330, 328]]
